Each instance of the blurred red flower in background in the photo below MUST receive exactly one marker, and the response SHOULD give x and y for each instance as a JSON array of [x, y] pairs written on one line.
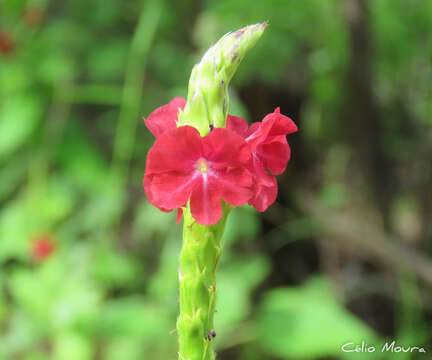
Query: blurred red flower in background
[[42, 247], [33, 16], [7, 43]]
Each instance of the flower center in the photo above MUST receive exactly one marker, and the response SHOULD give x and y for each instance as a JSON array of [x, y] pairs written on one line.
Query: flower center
[[202, 165]]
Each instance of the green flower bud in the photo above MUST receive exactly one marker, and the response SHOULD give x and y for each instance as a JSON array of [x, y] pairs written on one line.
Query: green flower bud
[[207, 100]]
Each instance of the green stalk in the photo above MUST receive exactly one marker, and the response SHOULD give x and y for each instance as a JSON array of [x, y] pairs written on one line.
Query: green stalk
[[197, 279], [207, 104], [142, 40]]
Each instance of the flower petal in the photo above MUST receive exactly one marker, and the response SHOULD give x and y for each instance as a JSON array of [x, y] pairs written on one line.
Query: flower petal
[[274, 156], [234, 185], [175, 150], [205, 204], [272, 126], [264, 196], [223, 147], [168, 191], [279, 124], [237, 124], [265, 188], [253, 128], [148, 192], [165, 117]]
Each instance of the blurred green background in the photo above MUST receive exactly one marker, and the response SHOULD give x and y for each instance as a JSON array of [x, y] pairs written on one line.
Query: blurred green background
[[88, 267]]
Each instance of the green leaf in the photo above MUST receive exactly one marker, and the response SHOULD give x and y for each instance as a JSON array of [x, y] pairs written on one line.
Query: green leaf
[[150, 221], [81, 160], [70, 346], [248, 217], [16, 225], [57, 295], [124, 348], [108, 60], [236, 280], [135, 317], [113, 268], [307, 322], [18, 118]]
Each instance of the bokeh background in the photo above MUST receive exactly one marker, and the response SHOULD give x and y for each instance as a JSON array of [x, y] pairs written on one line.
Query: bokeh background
[[88, 267]]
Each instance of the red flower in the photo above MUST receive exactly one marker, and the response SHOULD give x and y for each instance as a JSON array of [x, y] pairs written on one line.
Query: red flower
[[184, 166], [42, 247], [270, 150], [7, 44], [181, 165]]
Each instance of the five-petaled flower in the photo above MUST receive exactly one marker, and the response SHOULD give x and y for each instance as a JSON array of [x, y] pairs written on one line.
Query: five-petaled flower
[[229, 163], [182, 165]]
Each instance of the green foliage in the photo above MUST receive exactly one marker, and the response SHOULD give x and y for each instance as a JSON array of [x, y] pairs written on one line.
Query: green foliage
[[18, 119], [237, 280], [72, 156], [308, 322]]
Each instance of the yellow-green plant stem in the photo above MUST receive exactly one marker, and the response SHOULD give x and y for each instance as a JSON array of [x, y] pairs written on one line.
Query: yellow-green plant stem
[[197, 279]]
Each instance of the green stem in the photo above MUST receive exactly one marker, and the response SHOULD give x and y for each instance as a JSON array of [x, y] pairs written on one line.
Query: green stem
[[197, 278], [133, 86], [207, 104]]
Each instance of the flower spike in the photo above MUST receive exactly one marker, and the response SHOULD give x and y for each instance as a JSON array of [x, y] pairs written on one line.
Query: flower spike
[[203, 163]]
